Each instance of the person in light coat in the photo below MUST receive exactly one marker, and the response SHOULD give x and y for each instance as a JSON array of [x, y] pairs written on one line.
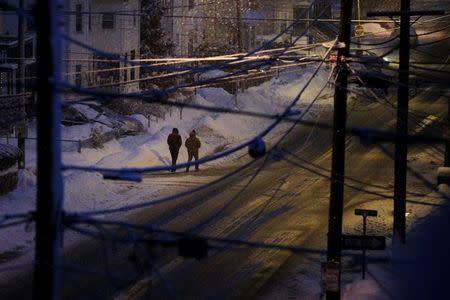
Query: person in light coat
[[192, 144]]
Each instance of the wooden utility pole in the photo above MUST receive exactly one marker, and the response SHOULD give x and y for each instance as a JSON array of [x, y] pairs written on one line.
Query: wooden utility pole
[[338, 157], [401, 141], [447, 137], [22, 128], [49, 191]]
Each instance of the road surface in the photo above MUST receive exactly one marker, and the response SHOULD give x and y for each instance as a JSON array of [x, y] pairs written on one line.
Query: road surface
[[286, 203]]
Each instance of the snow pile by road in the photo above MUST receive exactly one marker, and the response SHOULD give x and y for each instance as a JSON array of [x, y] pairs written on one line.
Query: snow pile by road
[[215, 130]]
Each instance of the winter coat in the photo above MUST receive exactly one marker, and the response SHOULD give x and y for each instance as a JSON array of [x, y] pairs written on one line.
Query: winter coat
[[174, 141], [193, 144]]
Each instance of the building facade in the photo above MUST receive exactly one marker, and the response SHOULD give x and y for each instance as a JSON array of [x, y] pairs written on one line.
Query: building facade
[[9, 51], [111, 26], [205, 27]]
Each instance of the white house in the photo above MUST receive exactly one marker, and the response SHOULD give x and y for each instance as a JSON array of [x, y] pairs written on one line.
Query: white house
[[112, 26]]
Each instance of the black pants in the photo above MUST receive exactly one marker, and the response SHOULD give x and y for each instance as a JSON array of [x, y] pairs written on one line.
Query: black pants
[[174, 154], [190, 157]]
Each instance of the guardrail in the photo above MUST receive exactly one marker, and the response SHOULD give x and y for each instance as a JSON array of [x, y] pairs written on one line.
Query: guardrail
[[8, 138]]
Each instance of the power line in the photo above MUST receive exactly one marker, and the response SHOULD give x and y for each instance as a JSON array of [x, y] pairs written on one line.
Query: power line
[[278, 120], [199, 69], [170, 198]]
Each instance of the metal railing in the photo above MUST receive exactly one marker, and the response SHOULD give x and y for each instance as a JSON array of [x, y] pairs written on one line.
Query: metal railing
[[79, 143]]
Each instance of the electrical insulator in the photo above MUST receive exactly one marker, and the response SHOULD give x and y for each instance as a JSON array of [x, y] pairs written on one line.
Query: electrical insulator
[[257, 148]]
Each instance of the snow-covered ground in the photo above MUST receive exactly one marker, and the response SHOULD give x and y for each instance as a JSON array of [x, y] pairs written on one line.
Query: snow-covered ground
[[217, 131], [418, 270]]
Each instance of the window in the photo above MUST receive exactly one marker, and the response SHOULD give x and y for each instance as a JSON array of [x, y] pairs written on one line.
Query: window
[[30, 22], [191, 4], [108, 21], [78, 75], [132, 71], [300, 13], [90, 18], [111, 69], [283, 23], [191, 43], [125, 71], [3, 56], [3, 83], [78, 18]]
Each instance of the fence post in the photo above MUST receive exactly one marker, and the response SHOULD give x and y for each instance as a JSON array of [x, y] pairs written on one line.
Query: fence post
[[21, 146]]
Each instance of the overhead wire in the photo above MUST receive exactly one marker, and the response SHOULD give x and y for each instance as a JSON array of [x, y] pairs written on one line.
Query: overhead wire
[[252, 244], [203, 81], [273, 59], [277, 121], [170, 198], [194, 70], [262, 134]]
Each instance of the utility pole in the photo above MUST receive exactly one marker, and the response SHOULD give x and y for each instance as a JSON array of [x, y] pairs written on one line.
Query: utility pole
[[49, 191], [447, 137], [239, 26], [22, 128], [338, 157], [401, 140]]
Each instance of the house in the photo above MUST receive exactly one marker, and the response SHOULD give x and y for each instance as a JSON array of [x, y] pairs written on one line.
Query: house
[[284, 12], [9, 52], [111, 26], [15, 106], [199, 28]]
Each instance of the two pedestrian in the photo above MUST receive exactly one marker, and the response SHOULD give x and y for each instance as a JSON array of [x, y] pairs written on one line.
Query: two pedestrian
[[192, 144], [174, 141]]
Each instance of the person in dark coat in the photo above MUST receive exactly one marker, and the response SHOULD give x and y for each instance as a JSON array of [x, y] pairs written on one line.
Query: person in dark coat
[[174, 141], [192, 144]]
